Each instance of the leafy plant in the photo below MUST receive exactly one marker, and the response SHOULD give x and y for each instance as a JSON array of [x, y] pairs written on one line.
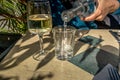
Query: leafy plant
[[13, 16]]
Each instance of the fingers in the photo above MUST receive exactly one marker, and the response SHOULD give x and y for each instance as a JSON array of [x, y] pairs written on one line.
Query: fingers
[[95, 16], [102, 10], [98, 15], [99, 18]]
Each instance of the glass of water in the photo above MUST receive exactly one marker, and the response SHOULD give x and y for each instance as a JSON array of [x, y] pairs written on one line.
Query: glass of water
[[64, 40], [39, 21]]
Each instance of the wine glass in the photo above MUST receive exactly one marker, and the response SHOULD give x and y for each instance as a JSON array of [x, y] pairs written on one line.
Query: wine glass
[[39, 21]]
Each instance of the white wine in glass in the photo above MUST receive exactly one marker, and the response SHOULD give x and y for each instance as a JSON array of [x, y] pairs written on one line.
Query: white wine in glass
[[39, 21]]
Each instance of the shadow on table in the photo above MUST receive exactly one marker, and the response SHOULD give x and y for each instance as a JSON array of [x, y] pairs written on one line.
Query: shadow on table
[[115, 34], [45, 60], [94, 59], [8, 78], [42, 75], [36, 76], [23, 50], [7, 41]]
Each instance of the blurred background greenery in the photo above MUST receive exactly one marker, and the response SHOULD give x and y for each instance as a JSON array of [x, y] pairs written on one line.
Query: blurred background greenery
[[13, 16]]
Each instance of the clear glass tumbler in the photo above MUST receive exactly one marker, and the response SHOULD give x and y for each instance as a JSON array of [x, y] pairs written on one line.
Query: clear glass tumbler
[[64, 40]]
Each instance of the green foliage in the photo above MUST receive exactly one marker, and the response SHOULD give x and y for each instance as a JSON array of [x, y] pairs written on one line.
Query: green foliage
[[13, 16]]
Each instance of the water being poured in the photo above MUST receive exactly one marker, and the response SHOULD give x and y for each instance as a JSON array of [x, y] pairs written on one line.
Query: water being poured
[[64, 35], [65, 21]]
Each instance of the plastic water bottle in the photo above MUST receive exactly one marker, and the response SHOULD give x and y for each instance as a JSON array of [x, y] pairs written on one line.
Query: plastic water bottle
[[81, 8]]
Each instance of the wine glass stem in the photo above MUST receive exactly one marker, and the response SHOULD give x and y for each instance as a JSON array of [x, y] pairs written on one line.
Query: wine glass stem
[[41, 44]]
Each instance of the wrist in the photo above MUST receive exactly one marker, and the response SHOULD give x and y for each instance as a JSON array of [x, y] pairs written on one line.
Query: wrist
[[119, 2], [115, 6]]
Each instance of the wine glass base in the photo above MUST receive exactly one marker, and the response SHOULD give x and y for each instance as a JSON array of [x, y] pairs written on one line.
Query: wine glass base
[[40, 55]]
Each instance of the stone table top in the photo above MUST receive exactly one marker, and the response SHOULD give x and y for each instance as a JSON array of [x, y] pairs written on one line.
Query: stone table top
[[20, 65]]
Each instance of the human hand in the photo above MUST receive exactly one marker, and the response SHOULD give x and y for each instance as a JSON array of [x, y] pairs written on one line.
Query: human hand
[[104, 7]]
